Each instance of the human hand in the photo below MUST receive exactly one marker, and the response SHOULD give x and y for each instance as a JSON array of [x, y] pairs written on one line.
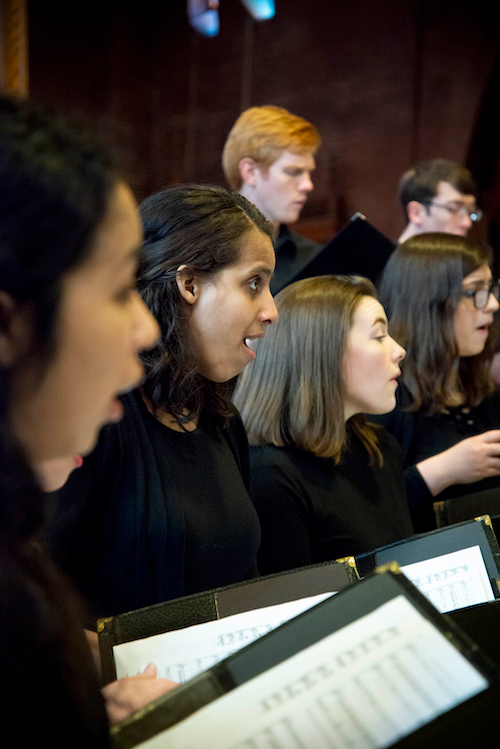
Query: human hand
[[130, 693], [470, 460]]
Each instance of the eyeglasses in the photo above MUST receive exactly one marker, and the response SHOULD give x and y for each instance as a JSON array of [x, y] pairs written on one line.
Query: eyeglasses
[[457, 209], [481, 297]]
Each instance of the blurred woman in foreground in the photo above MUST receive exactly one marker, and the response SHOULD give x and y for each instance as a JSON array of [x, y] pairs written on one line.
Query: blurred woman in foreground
[[71, 329]]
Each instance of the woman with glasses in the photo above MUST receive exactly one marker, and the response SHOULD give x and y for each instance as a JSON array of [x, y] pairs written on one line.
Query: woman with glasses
[[441, 300]]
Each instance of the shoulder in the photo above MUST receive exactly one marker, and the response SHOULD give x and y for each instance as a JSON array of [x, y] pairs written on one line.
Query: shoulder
[[270, 463], [287, 468], [268, 457]]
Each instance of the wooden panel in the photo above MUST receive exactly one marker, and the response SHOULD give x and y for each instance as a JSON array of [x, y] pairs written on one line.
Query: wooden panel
[[384, 82], [14, 47]]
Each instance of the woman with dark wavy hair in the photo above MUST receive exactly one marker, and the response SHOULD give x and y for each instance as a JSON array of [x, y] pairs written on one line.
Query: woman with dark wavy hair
[[165, 505], [440, 301], [327, 484]]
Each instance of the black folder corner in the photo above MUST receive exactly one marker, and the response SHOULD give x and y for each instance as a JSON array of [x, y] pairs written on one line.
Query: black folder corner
[[475, 532], [220, 602], [358, 249], [458, 509], [336, 612]]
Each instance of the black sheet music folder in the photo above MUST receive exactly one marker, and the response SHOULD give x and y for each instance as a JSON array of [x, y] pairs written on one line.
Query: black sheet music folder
[[214, 604], [348, 607], [476, 532], [358, 249], [469, 506]]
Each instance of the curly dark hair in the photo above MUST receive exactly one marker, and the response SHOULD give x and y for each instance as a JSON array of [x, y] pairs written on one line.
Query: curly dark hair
[[201, 227]]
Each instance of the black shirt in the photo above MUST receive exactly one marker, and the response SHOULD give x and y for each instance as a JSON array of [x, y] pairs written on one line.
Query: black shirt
[[312, 510], [159, 513], [420, 436], [293, 252]]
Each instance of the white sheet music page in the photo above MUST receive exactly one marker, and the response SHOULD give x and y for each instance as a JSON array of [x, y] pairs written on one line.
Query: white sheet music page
[[452, 581], [184, 653], [362, 687]]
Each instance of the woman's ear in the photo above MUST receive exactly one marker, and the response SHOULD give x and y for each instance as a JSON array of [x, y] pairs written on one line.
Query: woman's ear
[[15, 330], [188, 284]]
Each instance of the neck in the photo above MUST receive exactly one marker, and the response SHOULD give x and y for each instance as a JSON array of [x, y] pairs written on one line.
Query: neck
[[410, 231], [251, 194], [167, 419]]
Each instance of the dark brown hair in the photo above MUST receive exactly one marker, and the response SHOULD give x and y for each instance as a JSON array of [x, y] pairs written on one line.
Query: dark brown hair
[[420, 289], [201, 227], [421, 182], [293, 393]]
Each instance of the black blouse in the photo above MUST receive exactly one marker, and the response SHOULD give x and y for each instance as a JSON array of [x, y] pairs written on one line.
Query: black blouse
[[154, 514], [312, 510], [421, 436]]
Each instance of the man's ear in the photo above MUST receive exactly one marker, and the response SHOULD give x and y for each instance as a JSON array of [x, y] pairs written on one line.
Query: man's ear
[[415, 211], [188, 284], [248, 170], [15, 329]]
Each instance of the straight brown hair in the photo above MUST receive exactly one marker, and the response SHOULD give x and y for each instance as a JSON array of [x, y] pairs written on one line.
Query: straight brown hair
[[293, 393]]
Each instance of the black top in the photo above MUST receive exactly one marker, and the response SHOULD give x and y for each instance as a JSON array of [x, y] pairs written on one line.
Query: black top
[[50, 692], [421, 436], [160, 514], [312, 510], [293, 252]]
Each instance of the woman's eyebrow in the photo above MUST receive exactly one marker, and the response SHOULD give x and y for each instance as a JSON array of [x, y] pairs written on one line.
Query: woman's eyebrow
[[379, 320], [262, 269], [479, 282]]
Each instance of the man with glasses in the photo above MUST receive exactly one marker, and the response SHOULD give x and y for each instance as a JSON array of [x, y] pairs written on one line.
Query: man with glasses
[[438, 195]]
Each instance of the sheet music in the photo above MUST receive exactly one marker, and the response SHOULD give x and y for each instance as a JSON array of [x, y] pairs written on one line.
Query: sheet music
[[362, 687], [452, 581], [184, 653]]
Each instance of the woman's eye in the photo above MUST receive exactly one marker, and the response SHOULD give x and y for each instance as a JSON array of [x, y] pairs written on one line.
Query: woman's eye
[[381, 337], [254, 284]]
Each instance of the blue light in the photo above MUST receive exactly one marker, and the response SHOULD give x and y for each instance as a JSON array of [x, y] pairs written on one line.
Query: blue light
[[204, 16], [206, 23], [261, 10]]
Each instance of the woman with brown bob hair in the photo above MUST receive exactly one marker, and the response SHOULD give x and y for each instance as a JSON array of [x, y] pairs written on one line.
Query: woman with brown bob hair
[[440, 301], [164, 499], [326, 483]]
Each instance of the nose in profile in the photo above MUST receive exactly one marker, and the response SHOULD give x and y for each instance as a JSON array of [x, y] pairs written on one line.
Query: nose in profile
[[306, 184], [398, 352], [269, 314]]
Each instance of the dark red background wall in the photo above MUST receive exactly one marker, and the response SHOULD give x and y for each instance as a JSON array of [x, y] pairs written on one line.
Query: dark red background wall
[[386, 82]]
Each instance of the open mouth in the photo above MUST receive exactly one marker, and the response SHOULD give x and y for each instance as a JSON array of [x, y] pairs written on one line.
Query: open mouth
[[484, 328], [250, 351]]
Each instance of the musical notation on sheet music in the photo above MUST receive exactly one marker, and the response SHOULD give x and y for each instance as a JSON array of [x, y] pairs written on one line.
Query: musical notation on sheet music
[[363, 687], [182, 654], [452, 581]]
